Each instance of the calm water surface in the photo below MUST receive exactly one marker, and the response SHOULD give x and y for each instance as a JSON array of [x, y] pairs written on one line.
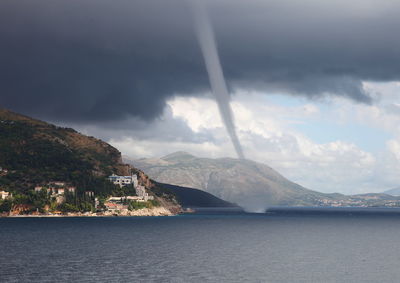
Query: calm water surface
[[280, 247]]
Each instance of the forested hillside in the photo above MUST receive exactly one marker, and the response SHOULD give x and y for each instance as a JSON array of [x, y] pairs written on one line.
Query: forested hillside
[[34, 152]]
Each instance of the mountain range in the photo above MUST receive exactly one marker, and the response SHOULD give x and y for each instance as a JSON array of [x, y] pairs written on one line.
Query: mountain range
[[252, 185], [393, 192]]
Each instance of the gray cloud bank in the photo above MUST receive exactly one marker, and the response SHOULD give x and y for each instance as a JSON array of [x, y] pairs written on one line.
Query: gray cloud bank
[[89, 61]]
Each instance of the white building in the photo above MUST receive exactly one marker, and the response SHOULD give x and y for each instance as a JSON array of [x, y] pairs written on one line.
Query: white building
[[141, 192], [4, 195], [38, 189], [55, 191], [89, 194], [56, 188], [57, 183], [71, 190], [141, 198], [124, 180], [123, 198]]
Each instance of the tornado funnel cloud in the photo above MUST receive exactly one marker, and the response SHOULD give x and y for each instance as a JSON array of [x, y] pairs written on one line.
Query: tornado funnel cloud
[[205, 36]]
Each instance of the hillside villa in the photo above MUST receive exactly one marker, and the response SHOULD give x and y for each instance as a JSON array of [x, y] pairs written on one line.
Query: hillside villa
[[123, 180], [5, 195], [141, 193], [119, 203], [3, 171], [56, 188]]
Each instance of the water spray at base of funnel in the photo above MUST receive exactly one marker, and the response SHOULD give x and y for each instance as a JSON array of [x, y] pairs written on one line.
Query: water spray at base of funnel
[[205, 36]]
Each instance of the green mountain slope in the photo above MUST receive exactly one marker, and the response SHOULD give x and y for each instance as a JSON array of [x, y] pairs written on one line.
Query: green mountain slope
[[35, 152], [194, 198]]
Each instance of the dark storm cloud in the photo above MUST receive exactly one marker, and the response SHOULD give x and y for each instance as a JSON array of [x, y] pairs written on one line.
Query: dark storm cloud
[[92, 61], [168, 129]]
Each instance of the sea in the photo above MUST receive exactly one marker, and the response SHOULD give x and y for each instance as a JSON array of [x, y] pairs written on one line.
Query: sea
[[282, 245]]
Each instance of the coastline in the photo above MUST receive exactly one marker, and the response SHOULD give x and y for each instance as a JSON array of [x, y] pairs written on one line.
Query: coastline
[[156, 211]]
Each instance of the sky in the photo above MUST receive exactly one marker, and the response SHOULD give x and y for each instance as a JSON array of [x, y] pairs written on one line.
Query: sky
[[313, 84]]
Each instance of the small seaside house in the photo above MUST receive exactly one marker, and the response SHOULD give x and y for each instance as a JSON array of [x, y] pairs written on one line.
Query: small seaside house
[[89, 194], [38, 189], [71, 190], [4, 195], [141, 192]]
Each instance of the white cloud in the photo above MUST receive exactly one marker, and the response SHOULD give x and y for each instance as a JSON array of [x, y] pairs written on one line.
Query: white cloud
[[268, 132], [197, 113], [394, 148], [151, 148]]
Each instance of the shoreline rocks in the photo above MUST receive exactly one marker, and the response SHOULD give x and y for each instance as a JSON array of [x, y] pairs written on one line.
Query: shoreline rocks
[[155, 211]]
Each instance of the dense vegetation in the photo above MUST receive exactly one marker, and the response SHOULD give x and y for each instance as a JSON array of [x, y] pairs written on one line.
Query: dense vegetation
[[44, 202], [32, 159], [36, 153], [135, 205], [41, 201]]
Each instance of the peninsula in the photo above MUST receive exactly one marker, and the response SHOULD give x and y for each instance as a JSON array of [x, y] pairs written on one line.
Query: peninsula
[[47, 170]]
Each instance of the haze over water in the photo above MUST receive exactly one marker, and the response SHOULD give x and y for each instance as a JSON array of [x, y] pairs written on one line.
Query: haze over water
[[282, 247]]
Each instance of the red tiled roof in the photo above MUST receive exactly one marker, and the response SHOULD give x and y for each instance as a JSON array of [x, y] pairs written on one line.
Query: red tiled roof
[[110, 204]]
